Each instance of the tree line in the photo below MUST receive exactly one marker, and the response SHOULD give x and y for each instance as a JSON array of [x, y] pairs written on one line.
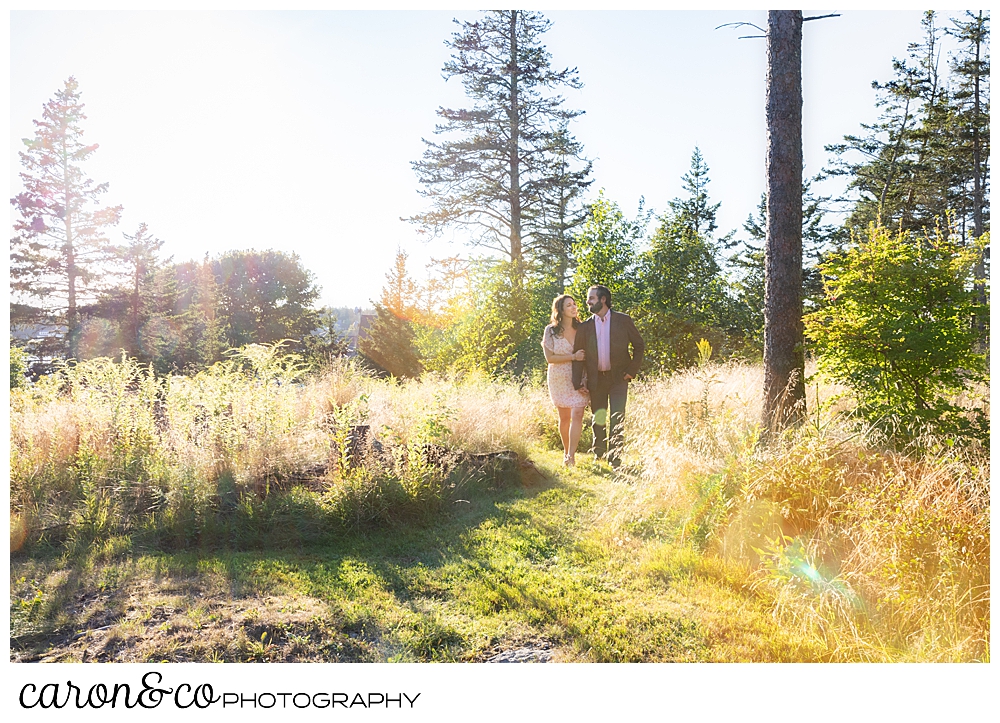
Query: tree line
[[924, 164], [507, 172], [78, 294]]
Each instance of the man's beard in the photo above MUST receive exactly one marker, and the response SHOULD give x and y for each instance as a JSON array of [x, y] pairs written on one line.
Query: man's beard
[[595, 308]]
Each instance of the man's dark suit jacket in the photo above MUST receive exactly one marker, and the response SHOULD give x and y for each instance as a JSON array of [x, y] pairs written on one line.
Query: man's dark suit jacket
[[623, 333]]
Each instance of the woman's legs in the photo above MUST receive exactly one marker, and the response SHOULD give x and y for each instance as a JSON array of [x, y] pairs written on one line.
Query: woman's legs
[[575, 429], [564, 429]]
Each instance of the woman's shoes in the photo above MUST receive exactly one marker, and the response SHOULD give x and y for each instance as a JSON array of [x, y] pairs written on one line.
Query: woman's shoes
[[569, 460]]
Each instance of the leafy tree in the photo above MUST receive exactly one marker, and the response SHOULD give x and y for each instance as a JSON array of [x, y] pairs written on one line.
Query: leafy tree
[[897, 329], [606, 249], [59, 250], [18, 367], [505, 157], [445, 302], [484, 337], [262, 297]]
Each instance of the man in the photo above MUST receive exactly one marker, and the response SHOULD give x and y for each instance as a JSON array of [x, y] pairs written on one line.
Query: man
[[605, 339]]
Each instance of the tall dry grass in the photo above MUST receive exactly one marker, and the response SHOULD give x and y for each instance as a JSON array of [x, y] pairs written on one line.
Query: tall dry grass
[[105, 447], [878, 553]]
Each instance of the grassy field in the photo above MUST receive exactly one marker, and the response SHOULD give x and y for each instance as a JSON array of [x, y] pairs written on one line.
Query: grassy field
[[228, 517]]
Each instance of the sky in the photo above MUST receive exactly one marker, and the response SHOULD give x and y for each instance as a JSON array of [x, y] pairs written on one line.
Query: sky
[[295, 130]]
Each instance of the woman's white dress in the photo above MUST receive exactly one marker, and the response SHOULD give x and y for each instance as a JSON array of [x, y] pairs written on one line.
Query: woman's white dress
[[560, 375]]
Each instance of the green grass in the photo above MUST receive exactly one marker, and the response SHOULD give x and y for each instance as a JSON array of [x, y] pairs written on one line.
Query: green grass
[[504, 569]]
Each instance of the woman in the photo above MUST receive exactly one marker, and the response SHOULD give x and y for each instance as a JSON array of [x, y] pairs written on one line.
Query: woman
[[558, 345]]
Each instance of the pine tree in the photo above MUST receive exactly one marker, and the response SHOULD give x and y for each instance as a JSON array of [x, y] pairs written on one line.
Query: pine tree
[[971, 68], [139, 255], [971, 99], [206, 329], [59, 253], [391, 341], [680, 271], [784, 360], [562, 212], [747, 264], [400, 295], [499, 161], [912, 169]]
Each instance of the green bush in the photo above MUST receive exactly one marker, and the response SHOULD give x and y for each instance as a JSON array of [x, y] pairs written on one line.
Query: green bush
[[18, 367], [898, 329]]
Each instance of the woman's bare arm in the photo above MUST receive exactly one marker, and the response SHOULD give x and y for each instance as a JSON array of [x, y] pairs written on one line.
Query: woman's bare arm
[[551, 357]]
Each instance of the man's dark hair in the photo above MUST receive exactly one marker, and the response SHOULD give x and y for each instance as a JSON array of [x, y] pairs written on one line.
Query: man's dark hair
[[603, 292]]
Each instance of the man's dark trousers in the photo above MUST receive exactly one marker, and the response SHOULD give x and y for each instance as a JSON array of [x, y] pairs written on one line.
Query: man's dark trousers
[[608, 394]]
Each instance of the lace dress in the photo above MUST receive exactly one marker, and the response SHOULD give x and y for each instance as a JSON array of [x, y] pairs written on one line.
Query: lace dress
[[560, 375]]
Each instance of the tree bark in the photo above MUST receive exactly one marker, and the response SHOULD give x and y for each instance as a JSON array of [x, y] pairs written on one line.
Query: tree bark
[[72, 331], [515, 174], [977, 194], [784, 362]]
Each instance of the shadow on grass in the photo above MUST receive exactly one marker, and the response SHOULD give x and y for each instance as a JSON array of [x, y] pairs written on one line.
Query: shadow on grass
[[364, 577]]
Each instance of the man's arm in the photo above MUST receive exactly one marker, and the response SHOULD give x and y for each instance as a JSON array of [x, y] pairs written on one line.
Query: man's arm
[[638, 348]]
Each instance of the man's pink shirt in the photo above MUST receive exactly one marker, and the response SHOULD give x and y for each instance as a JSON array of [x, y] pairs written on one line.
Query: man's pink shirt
[[603, 330]]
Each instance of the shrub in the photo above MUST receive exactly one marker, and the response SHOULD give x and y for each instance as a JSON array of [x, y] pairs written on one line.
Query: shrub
[[898, 329], [18, 367]]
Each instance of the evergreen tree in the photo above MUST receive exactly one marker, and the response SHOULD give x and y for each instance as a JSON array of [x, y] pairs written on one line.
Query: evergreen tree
[[784, 360], [680, 271], [971, 108], [916, 167], [694, 212], [326, 342], [562, 212], [59, 252], [492, 173], [747, 264], [400, 295], [391, 342], [208, 335], [139, 255]]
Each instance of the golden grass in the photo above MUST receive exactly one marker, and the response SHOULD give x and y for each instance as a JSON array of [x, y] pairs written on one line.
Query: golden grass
[[869, 553], [876, 554]]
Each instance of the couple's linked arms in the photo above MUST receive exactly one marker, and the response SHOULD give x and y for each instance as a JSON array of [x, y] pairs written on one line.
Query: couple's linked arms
[[551, 357]]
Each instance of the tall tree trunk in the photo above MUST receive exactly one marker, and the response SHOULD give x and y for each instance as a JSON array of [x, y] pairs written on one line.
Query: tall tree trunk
[[135, 311], [977, 188], [72, 331], [784, 365], [515, 171]]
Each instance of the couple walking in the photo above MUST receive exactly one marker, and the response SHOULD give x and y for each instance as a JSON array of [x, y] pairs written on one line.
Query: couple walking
[[590, 362]]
